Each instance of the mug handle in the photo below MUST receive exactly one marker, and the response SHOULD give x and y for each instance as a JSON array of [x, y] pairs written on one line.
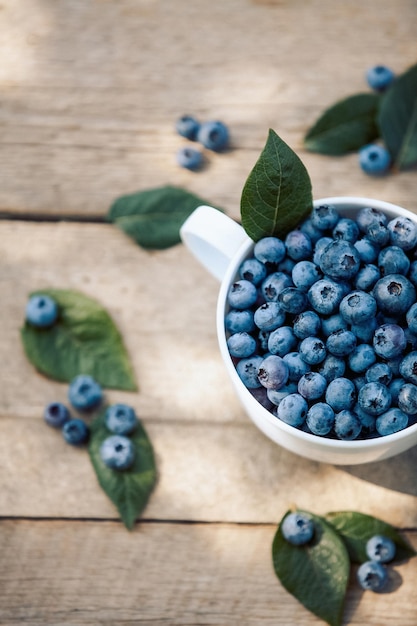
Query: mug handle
[[213, 238]]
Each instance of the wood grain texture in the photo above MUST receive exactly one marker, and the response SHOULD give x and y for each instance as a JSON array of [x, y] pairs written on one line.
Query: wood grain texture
[[182, 575]]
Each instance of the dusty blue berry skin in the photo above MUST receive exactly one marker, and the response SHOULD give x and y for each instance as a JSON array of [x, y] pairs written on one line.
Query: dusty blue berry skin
[[237, 321], [117, 452], [41, 311], [341, 394], [282, 340], [187, 126], [297, 367], [347, 425], [270, 251], [346, 229], [407, 399], [273, 284], [361, 358], [253, 270], [391, 422], [394, 294], [367, 250], [273, 372], [269, 316], [56, 414], [374, 160], [333, 323], [367, 276], [393, 260], [306, 324], [324, 217], [372, 576], [293, 300], [332, 367], [340, 260], [84, 393], [121, 419], [276, 395], [312, 350], [379, 77], [242, 294], [408, 367], [312, 231], [241, 345], [320, 419], [75, 432], [365, 330], [247, 370], [394, 388], [411, 318], [374, 398], [312, 386], [190, 158], [358, 307], [380, 548], [378, 234], [293, 410], [298, 245], [379, 373], [297, 528], [325, 296], [213, 135], [389, 341], [367, 421], [305, 274], [403, 232], [319, 247], [412, 274], [341, 343], [369, 217]]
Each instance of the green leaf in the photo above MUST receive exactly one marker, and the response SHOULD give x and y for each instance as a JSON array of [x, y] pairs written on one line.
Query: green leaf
[[346, 126], [130, 489], [277, 194], [84, 340], [153, 217], [356, 528], [317, 573], [397, 119]]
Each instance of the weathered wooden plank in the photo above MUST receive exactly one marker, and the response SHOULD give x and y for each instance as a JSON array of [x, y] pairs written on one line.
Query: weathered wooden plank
[[159, 574]]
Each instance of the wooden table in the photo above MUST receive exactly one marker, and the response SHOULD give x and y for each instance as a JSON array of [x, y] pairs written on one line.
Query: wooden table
[[90, 91]]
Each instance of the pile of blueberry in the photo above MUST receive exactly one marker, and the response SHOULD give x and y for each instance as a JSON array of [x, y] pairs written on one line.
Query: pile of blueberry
[[213, 135], [322, 327], [298, 529]]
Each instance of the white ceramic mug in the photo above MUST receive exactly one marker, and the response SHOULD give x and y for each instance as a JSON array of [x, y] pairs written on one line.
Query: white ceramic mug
[[221, 245]]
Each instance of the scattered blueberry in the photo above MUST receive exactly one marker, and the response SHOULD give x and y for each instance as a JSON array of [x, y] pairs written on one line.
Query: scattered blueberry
[[121, 419], [75, 431], [190, 158], [379, 77], [297, 528], [213, 135], [56, 414], [187, 126], [84, 393], [117, 452], [374, 159], [372, 576], [41, 311], [380, 548]]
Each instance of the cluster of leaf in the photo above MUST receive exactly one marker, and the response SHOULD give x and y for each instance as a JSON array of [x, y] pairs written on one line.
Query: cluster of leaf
[[85, 340], [317, 574], [362, 118]]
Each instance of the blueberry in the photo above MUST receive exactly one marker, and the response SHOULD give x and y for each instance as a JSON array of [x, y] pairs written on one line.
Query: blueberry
[[325, 296], [369, 217], [286, 266], [237, 321], [347, 425], [346, 229], [368, 421], [84, 393], [270, 251], [241, 345], [252, 270], [306, 324], [190, 158], [319, 247], [276, 395], [324, 217], [391, 422], [273, 284], [341, 394], [367, 250], [361, 358], [403, 232], [312, 386], [320, 418], [408, 367], [394, 294], [378, 234], [242, 294], [247, 370], [263, 338], [389, 341], [187, 126], [213, 135], [412, 273], [379, 77], [380, 548], [297, 528], [358, 307], [394, 388], [374, 398], [374, 160], [273, 372], [411, 318], [304, 274], [312, 350], [75, 431], [56, 414], [332, 324], [282, 340], [312, 231], [379, 373], [293, 300], [117, 452], [340, 260], [297, 367], [367, 276], [298, 245], [341, 342], [393, 260], [365, 330], [121, 419], [293, 410], [269, 316], [41, 311], [407, 399], [332, 367], [372, 576]]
